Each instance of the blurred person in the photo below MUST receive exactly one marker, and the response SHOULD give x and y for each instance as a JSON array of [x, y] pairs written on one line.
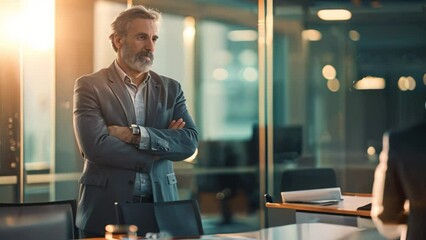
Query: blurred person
[[399, 189], [130, 124]]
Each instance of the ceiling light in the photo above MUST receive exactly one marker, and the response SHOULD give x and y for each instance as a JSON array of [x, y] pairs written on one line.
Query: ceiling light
[[370, 82], [334, 14]]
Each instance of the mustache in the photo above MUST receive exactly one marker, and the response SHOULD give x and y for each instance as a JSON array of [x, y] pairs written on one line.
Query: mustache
[[144, 54]]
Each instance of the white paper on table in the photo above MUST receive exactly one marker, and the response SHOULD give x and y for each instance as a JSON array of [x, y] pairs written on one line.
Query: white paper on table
[[313, 196]]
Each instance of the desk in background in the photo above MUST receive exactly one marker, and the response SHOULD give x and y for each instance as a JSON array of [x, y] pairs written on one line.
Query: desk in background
[[343, 213]]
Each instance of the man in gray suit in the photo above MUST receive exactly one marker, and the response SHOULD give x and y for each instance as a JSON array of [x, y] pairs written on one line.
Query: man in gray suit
[[130, 124], [399, 190]]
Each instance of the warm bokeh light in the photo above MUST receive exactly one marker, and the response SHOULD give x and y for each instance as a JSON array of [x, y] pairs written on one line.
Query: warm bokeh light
[[354, 35], [220, 74], [334, 14], [369, 83], [424, 79], [406, 83], [411, 83], [242, 35], [189, 30], [333, 85], [311, 35], [371, 150], [329, 72]]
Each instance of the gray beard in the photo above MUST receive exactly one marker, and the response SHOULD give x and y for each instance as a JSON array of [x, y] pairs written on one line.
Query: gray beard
[[134, 62], [138, 65]]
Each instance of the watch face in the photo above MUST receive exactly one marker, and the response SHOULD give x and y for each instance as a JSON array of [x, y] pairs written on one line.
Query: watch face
[[135, 129]]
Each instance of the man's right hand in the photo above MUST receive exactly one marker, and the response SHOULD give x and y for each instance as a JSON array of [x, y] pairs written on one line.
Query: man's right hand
[[177, 124]]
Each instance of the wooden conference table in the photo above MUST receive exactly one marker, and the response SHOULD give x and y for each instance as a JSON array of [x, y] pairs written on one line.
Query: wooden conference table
[[345, 212], [301, 231]]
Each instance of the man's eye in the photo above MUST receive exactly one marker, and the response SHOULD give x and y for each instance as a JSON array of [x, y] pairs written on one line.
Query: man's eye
[[141, 37]]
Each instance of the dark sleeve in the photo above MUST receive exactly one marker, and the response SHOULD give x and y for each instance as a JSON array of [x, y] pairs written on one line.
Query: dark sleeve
[[175, 144], [393, 194]]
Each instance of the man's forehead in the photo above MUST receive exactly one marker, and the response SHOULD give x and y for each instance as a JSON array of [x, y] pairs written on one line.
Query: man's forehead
[[141, 24]]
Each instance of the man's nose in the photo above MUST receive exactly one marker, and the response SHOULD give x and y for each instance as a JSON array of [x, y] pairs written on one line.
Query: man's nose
[[150, 46]]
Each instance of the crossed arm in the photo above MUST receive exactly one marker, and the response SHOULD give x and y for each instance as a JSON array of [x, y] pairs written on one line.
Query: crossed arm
[[125, 133]]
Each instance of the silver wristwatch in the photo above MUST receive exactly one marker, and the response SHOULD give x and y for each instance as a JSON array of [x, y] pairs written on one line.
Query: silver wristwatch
[[135, 129]]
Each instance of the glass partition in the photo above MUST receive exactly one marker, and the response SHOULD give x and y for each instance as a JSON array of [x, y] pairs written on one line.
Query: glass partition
[[344, 82], [226, 166]]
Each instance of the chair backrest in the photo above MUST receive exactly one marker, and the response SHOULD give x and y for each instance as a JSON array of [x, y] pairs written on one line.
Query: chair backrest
[[310, 178], [44, 220], [140, 214], [179, 219]]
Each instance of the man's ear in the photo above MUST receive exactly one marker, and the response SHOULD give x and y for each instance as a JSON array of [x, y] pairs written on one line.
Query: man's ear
[[118, 40]]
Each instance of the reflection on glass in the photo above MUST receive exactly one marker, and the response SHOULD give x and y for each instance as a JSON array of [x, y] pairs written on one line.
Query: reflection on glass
[[228, 55]]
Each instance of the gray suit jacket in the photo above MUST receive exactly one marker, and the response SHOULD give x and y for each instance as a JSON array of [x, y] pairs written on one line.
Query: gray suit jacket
[[110, 165]]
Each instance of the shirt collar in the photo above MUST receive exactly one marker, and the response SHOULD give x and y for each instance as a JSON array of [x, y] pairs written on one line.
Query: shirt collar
[[123, 75]]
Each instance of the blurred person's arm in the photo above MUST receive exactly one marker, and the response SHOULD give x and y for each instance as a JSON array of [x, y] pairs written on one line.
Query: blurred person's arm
[[388, 211]]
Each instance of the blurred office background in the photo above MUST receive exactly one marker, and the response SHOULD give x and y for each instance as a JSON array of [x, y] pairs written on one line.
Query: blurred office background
[[271, 85]]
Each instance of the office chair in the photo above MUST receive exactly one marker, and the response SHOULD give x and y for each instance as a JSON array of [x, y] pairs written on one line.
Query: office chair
[[44, 220], [140, 214], [309, 178], [179, 219]]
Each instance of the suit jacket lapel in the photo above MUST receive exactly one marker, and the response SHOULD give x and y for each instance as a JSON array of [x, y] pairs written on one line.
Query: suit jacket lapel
[[120, 91], [153, 103]]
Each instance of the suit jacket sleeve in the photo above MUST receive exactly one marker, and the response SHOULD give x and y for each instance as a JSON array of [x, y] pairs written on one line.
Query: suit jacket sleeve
[[173, 144]]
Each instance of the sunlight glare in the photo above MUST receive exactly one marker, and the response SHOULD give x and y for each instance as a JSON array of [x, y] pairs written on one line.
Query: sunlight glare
[[39, 18], [10, 25]]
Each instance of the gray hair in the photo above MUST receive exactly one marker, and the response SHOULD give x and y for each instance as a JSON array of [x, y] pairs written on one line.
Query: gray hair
[[119, 26]]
